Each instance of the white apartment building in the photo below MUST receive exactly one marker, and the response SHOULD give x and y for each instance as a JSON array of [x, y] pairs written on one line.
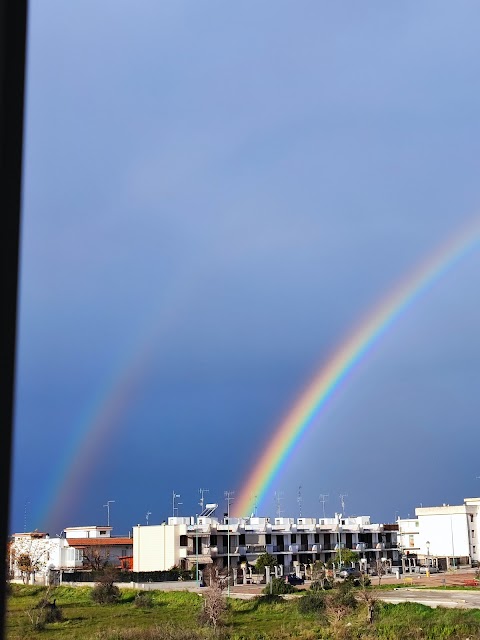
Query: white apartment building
[[445, 536], [186, 541]]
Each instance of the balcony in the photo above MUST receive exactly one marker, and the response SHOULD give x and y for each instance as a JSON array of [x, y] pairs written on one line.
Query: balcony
[[255, 548]]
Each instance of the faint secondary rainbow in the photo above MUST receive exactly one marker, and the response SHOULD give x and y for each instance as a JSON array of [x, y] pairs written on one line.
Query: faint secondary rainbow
[[343, 361]]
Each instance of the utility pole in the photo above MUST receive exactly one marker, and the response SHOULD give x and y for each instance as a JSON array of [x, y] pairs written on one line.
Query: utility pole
[[229, 497], [323, 499], [342, 501], [174, 506], [109, 502], [202, 498]]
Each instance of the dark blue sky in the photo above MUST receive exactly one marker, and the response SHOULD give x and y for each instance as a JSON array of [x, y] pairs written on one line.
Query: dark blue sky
[[230, 187]]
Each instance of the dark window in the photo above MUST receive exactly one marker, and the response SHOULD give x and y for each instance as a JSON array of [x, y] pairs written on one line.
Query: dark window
[[268, 538], [241, 539], [225, 541], [213, 541], [294, 538], [103, 533], [183, 541], [316, 537]]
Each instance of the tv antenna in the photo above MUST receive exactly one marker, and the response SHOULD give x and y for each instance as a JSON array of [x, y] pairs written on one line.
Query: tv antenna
[[299, 501], [255, 506], [278, 500], [109, 502], [202, 498], [27, 502], [323, 499], [342, 501], [175, 503], [149, 513]]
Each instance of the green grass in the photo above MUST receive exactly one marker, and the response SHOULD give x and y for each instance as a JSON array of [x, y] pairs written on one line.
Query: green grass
[[174, 616]]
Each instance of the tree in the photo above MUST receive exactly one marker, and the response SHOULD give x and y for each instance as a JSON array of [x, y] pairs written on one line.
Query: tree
[[214, 605], [96, 557], [380, 568], [30, 554], [319, 575], [346, 557], [265, 560], [368, 598]]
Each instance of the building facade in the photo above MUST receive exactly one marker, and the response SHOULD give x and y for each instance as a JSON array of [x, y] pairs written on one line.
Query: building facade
[[77, 549], [444, 536], [188, 542]]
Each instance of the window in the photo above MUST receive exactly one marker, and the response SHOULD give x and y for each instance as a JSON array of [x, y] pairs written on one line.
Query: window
[[184, 541], [268, 538], [103, 533], [316, 537], [213, 541], [473, 533], [294, 538]]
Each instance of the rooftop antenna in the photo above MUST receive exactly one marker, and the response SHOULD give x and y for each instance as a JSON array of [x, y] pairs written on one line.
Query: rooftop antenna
[[299, 501], [149, 513], [174, 504], [27, 502], [323, 499], [202, 498], [109, 502], [342, 501], [278, 500], [255, 506]]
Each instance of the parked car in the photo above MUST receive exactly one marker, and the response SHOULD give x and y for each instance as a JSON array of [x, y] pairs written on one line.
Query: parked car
[[294, 579], [350, 572], [430, 569]]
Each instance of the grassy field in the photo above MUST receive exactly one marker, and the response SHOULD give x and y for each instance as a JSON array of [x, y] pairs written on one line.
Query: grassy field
[[175, 616]]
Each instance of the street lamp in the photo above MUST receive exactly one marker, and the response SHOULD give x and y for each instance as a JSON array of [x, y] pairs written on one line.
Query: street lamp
[[196, 548], [428, 558], [229, 496]]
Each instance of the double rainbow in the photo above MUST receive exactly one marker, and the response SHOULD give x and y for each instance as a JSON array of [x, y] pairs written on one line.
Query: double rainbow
[[312, 400]]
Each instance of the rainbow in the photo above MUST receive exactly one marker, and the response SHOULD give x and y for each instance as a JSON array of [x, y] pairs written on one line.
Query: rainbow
[[302, 416]]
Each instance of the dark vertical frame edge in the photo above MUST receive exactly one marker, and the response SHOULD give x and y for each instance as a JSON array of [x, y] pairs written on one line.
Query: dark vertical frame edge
[[13, 34]]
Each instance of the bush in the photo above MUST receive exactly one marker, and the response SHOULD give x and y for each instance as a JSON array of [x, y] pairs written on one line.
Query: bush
[[317, 585], [278, 587], [105, 593], [312, 602], [143, 600]]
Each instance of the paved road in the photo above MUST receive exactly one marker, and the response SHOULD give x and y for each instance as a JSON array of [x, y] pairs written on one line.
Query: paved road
[[433, 598]]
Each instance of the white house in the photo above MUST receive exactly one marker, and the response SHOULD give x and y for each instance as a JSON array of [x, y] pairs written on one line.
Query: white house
[[445, 535], [72, 551]]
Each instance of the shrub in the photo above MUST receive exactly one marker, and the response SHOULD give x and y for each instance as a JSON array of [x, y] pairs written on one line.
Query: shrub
[[143, 600], [278, 587], [319, 586], [105, 593], [214, 606], [311, 602]]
